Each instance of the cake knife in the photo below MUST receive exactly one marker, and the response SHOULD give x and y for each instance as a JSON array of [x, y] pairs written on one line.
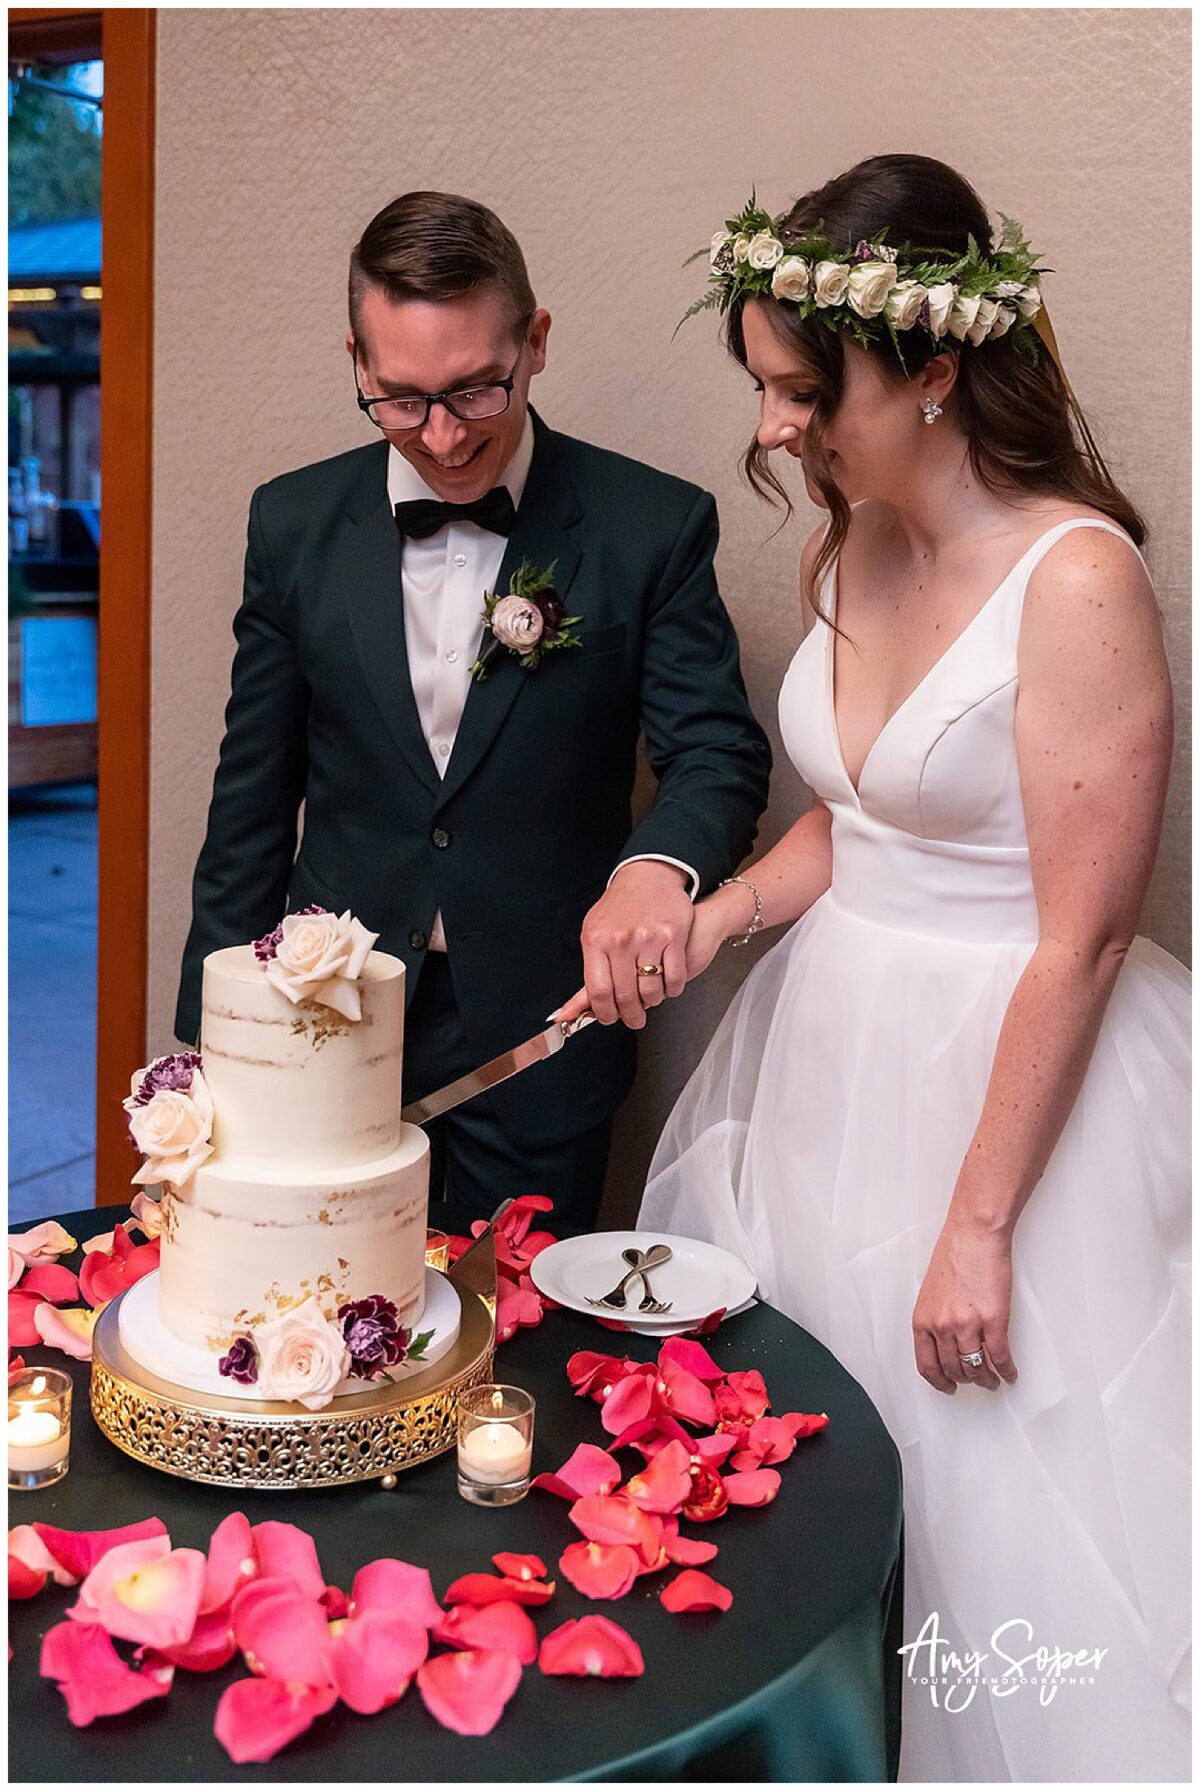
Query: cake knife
[[509, 1063]]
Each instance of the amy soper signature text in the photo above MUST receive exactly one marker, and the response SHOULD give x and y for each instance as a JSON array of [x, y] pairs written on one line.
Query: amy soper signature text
[[955, 1675]]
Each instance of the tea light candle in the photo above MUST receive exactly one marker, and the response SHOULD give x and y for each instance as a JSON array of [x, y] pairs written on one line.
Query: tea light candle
[[35, 1440], [39, 1427], [496, 1454]]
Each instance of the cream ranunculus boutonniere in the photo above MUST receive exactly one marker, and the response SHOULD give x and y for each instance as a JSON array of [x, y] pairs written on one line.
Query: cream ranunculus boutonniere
[[530, 621]]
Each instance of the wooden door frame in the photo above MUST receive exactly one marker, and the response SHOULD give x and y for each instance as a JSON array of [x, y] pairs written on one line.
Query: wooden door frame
[[125, 38]]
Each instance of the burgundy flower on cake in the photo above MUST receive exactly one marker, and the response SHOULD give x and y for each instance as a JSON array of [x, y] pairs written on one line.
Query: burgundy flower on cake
[[374, 1336], [240, 1362]]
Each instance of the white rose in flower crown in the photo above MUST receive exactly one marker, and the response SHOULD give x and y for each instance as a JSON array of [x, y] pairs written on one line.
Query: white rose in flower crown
[[1010, 289], [869, 285], [741, 246], [791, 278], [830, 279], [720, 238], [1030, 302], [517, 623], [764, 250], [1005, 318], [963, 313], [904, 302], [320, 958], [301, 1356], [941, 303], [985, 317], [173, 1130]]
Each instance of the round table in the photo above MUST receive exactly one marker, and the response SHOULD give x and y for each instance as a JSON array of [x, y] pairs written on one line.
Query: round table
[[799, 1680]]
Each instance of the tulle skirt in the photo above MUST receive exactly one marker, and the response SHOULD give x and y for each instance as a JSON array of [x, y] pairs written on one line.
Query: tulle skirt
[[820, 1139]]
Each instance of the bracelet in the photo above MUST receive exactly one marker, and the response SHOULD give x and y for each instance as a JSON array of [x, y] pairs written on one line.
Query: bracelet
[[758, 922]]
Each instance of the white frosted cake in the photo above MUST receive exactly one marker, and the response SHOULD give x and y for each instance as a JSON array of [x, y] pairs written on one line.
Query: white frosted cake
[[295, 1200]]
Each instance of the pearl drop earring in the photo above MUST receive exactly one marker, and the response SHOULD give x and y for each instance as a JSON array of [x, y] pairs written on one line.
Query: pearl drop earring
[[931, 410]]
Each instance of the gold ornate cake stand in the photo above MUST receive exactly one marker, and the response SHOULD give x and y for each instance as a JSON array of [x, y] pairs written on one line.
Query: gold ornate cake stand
[[372, 1435]]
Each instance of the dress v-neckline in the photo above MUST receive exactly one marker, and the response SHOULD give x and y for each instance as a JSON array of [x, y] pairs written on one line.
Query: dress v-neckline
[[831, 677]]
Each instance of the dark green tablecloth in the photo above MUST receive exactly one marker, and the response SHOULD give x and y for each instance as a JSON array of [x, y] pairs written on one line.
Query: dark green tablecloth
[[800, 1680]]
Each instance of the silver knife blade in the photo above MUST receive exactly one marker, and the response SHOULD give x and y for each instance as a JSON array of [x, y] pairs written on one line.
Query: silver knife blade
[[509, 1063]]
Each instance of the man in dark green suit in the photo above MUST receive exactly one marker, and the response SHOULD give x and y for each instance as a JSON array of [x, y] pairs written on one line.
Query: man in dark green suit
[[481, 826]]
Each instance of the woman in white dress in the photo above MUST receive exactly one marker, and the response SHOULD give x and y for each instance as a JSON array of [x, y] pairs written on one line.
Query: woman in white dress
[[945, 1119]]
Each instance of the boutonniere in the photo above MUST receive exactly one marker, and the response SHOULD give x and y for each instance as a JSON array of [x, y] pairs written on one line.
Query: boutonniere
[[530, 621]]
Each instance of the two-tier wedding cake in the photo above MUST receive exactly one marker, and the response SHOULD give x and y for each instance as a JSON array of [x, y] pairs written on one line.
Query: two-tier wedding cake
[[294, 1199]]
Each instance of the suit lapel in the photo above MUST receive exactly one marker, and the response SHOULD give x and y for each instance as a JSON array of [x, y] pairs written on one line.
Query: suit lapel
[[367, 569], [544, 535]]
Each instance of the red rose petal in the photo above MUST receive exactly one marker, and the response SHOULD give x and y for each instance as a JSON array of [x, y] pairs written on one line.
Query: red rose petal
[[467, 1692], [692, 1356], [612, 1518], [490, 1588], [257, 1717], [665, 1483], [805, 1424], [757, 1488], [600, 1570], [689, 1551], [22, 1332], [629, 1402], [715, 1450], [503, 1627], [388, 1585], [587, 1470], [77, 1551], [520, 1567], [709, 1324], [52, 1282], [591, 1647], [692, 1591], [91, 1675], [24, 1581], [686, 1394]]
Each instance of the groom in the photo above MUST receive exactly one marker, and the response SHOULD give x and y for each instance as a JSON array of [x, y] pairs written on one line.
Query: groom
[[480, 825]]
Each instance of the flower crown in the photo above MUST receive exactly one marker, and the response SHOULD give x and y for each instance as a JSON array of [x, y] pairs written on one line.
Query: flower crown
[[874, 290]]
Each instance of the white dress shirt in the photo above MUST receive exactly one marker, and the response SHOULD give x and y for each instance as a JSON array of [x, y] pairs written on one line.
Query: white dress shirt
[[443, 580]]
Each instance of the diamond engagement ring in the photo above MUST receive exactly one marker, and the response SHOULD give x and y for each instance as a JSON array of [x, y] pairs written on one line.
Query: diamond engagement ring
[[974, 1360]]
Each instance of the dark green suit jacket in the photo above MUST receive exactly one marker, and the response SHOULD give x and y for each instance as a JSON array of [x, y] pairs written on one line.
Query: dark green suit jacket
[[519, 838]]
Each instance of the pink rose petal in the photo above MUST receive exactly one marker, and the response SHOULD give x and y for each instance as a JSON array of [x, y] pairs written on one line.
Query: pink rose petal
[[467, 1692], [629, 1402], [490, 1588], [144, 1591], [689, 1551], [69, 1330], [757, 1488], [22, 1332], [231, 1561], [504, 1627], [520, 1567], [283, 1635], [587, 1470], [42, 1243], [257, 1717], [692, 1591], [285, 1552], [692, 1356], [77, 1551], [600, 1570], [374, 1657], [591, 1647], [686, 1394], [612, 1518], [52, 1282], [91, 1675], [388, 1584], [665, 1483], [211, 1645]]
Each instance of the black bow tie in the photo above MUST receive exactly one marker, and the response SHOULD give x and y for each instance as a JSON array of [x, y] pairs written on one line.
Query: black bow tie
[[420, 517]]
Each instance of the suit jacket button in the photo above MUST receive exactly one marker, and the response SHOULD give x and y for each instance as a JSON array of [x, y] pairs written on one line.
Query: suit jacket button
[[417, 940], [440, 838]]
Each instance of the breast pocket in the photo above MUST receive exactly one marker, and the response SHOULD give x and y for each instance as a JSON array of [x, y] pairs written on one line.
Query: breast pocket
[[597, 642]]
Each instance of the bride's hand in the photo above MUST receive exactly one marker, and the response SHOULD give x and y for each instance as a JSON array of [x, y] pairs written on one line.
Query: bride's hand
[[964, 1306]]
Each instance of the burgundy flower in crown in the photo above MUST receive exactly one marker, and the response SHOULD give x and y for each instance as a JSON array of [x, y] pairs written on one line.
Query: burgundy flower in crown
[[267, 947], [240, 1363]]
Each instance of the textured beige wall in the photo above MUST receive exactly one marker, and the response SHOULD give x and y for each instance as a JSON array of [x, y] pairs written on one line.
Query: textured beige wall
[[613, 142]]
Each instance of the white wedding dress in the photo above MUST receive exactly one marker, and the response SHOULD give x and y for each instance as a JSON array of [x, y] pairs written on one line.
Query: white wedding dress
[[820, 1138]]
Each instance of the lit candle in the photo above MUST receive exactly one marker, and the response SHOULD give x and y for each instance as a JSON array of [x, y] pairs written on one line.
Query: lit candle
[[496, 1454], [35, 1440]]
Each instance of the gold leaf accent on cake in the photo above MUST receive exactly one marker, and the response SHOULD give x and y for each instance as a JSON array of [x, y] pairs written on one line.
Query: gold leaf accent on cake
[[219, 1343], [342, 1263], [323, 1217], [325, 1283], [169, 1209]]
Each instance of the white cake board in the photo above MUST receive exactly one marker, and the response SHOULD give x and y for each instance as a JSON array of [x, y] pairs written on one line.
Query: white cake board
[[148, 1341]]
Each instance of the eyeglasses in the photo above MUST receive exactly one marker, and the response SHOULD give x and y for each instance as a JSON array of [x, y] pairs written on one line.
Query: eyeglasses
[[470, 404]]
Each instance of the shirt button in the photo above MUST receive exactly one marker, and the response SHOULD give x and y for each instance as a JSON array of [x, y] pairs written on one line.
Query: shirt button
[[417, 940], [444, 748], [460, 559], [451, 656], [440, 838]]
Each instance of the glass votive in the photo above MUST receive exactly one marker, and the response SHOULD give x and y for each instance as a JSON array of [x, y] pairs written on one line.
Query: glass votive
[[437, 1250], [495, 1444], [39, 1427]]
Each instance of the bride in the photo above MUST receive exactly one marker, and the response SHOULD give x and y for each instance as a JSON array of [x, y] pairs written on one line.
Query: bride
[[945, 1119]]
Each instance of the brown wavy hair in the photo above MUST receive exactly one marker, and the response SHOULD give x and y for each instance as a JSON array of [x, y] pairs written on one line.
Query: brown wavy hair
[[1025, 432]]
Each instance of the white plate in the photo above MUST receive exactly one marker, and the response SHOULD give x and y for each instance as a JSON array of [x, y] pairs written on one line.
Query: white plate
[[699, 1279]]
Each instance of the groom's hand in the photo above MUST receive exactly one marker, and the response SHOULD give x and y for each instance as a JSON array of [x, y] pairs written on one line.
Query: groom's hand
[[643, 917]]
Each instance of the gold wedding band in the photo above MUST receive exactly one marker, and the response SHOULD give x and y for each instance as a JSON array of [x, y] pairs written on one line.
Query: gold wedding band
[[649, 969]]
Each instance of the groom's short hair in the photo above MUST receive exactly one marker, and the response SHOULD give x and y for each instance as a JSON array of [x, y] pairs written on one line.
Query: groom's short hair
[[435, 246]]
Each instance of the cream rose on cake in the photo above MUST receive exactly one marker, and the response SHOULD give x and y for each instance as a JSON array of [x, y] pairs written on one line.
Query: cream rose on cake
[[320, 957], [170, 1113], [301, 1357]]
